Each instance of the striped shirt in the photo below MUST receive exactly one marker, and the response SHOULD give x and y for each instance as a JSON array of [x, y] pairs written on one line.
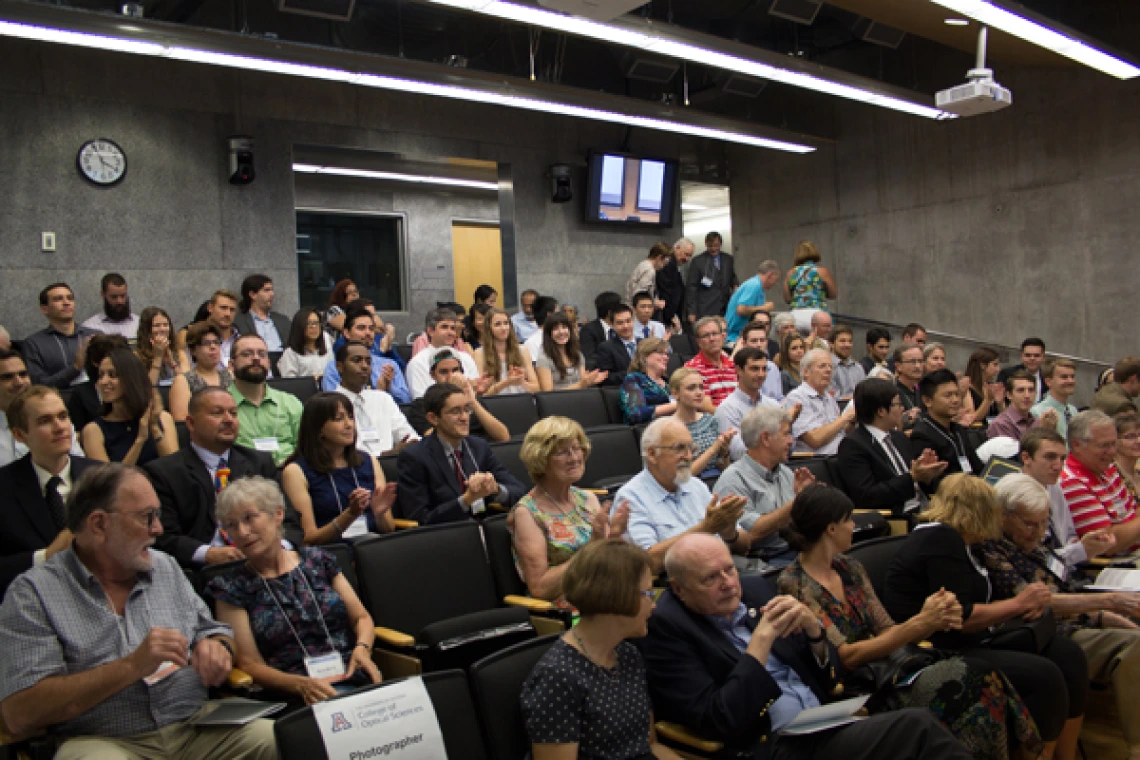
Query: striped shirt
[[1097, 502], [720, 381]]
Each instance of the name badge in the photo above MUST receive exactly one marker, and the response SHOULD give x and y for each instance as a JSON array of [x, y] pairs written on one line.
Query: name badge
[[369, 435], [964, 463], [327, 666], [706, 281], [1057, 567], [358, 528], [266, 444], [163, 672]]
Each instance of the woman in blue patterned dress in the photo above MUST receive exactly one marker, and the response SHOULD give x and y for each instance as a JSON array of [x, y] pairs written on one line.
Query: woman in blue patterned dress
[[645, 390], [298, 625], [808, 285]]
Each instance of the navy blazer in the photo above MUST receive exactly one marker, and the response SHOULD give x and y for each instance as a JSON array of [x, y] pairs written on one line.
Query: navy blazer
[[590, 336], [698, 678], [428, 491], [867, 474], [25, 525], [613, 357]]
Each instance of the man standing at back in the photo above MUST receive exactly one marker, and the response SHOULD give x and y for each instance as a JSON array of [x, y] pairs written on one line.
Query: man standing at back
[[55, 354], [116, 318], [1119, 396], [670, 284], [257, 316], [1032, 357], [712, 279], [751, 297]]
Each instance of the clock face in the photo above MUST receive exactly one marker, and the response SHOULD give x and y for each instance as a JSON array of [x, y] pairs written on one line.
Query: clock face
[[102, 161]]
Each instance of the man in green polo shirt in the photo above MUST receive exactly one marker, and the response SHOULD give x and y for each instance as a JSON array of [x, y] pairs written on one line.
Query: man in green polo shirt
[[1061, 376], [268, 419]]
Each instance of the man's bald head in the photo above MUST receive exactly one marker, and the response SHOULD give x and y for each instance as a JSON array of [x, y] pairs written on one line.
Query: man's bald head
[[685, 555]]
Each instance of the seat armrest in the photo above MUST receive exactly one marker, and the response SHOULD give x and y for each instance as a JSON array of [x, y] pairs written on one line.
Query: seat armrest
[[494, 506], [681, 735], [1099, 562], [394, 638], [402, 524], [239, 679], [528, 603], [597, 491]]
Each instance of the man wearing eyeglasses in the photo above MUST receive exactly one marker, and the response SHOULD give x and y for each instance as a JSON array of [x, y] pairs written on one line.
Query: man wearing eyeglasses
[[667, 502], [714, 365], [908, 373], [107, 644], [451, 475], [1093, 487], [36, 485], [268, 419]]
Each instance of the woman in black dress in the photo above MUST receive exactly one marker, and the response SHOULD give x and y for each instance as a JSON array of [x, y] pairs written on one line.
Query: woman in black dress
[[132, 428], [937, 555], [587, 697]]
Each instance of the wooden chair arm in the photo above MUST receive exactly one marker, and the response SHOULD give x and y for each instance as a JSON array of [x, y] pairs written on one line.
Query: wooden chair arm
[[402, 524], [239, 679], [599, 492], [883, 512], [494, 506], [528, 603], [1101, 562], [681, 735], [926, 645], [394, 638], [803, 455]]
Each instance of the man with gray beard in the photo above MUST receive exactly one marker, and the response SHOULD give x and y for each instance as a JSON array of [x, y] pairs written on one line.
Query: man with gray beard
[[666, 502]]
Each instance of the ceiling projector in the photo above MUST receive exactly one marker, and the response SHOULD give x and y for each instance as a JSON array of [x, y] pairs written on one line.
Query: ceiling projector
[[981, 94]]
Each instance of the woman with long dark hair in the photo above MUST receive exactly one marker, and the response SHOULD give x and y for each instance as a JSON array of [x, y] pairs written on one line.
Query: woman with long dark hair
[[154, 347], [502, 358], [338, 490], [561, 365], [133, 428], [344, 293], [986, 391], [307, 351]]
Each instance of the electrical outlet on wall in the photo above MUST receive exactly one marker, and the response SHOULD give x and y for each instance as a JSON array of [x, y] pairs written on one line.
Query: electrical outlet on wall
[[47, 242]]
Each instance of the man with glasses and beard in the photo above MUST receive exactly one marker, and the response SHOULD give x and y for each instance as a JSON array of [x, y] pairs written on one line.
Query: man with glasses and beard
[[117, 318], [268, 419], [666, 501], [108, 645]]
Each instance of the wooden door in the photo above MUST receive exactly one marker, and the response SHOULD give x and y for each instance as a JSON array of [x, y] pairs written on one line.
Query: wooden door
[[476, 259]]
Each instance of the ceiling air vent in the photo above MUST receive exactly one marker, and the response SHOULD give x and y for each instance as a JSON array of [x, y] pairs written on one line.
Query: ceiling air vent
[[337, 10], [800, 11], [878, 34], [747, 87], [648, 69]]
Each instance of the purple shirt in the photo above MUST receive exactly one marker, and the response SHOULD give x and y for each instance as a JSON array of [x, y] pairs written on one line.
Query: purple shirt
[[1011, 424]]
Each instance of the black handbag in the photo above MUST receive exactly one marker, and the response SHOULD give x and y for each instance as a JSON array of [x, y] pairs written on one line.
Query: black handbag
[[879, 677], [1020, 635]]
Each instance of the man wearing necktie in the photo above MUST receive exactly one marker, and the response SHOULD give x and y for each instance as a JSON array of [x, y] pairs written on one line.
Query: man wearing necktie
[[644, 324], [36, 485], [614, 355]]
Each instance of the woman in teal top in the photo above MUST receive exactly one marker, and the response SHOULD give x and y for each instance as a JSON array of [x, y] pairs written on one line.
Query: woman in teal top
[[555, 519], [808, 285]]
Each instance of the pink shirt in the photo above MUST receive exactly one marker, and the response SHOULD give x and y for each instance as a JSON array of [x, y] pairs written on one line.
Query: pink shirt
[[423, 342]]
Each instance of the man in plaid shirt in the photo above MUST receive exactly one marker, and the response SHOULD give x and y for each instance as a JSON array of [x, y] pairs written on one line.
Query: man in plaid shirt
[[1095, 492]]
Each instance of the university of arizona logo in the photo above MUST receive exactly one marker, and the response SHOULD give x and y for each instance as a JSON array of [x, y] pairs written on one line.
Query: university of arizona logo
[[339, 722]]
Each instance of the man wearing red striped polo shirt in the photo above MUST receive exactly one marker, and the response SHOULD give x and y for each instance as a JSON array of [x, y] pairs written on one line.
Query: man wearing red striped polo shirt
[[712, 362], [1093, 488]]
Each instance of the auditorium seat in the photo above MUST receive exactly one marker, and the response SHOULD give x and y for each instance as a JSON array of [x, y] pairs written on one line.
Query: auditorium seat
[[676, 361], [183, 435], [299, 738], [496, 683], [507, 452], [405, 352], [515, 410], [585, 406], [684, 344], [301, 387], [614, 457], [875, 556], [613, 405], [509, 586], [817, 466]]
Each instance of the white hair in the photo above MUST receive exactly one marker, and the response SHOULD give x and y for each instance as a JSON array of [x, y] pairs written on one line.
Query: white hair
[[768, 266], [651, 436], [813, 356], [781, 319], [1082, 425], [255, 490], [684, 243], [1021, 490], [880, 372], [761, 419]]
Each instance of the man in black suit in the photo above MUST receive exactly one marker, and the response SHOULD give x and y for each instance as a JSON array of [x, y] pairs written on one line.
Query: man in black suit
[[670, 284], [598, 331], [712, 278], [732, 661], [1032, 357], [876, 465], [257, 316], [449, 474], [615, 354], [937, 430], [187, 483], [36, 485]]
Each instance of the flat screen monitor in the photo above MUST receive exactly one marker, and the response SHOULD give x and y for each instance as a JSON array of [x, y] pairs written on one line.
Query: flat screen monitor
[[625, 189]]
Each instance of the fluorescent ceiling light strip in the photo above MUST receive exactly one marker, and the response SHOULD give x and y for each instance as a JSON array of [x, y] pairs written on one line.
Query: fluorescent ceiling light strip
[[341, 171], [1042, 36], [685, 51], [249, 63]]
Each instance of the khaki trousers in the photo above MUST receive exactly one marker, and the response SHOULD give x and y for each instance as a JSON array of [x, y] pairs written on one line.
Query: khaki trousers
[[1114, 658], [253, 741]]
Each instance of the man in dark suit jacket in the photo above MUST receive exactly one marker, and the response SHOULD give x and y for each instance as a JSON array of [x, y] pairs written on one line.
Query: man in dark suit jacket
[[735, 663], [1032, 357], [670, 284], [187, 483], [35, 486], [615, 354], [257, 301], [712, 278], [876, 463], [937, 430], [597, 332], [449, 474]]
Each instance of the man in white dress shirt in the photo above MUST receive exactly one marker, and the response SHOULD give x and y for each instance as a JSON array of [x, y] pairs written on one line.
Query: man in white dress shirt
[[440, 325], [381, 427], [116, 317]]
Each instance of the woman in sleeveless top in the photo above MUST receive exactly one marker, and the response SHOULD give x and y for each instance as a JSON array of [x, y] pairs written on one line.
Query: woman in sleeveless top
[[338, 491], [133, 428], [502, 359], [561, 366], [204, 342], [808, 285], [153, 347], [710, 447], [555, 519]]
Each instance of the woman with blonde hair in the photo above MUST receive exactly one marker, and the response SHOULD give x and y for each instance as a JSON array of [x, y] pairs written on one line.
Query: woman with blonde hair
[[710, 446], [807, 285], [940, 555], [792, 350], [644, 392], [502, 359], [556, 519]]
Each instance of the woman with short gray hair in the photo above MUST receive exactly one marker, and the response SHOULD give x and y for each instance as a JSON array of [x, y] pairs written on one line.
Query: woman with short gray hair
[[298, 625]]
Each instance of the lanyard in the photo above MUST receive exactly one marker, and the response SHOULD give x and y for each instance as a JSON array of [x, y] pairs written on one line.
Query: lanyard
[[336, 493], [959, 447], [320, 616]]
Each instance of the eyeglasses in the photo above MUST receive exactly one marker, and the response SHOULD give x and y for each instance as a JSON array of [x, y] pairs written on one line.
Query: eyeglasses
[[146, 518], [459, 411], [710, 336], [568, 452], [677, 448], [1040, 526]]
